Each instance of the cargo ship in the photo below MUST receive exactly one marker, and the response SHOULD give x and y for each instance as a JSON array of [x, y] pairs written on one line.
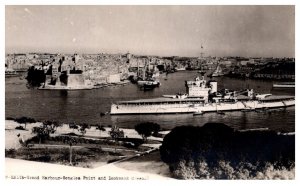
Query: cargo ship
[[200, 97]]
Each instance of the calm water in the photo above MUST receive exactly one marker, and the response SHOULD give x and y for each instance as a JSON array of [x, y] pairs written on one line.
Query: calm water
[[86, 105]]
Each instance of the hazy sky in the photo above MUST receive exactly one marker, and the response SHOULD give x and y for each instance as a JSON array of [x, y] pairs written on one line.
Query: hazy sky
[[267, 31]]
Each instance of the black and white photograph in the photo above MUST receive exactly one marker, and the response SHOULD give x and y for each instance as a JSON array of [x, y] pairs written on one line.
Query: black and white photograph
[[149, 92]]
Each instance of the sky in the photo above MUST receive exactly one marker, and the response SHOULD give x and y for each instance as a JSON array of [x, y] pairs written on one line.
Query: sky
[[249, 31]]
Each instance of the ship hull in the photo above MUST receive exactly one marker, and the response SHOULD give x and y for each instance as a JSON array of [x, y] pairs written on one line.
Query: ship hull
[[209, 107]]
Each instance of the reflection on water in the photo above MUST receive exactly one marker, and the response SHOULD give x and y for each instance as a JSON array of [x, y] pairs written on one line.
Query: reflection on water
[[86, 105]]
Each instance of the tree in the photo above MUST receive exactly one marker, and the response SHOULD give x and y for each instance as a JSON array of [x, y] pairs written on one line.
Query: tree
[[51, 125], [218, 151], [47, 128], [100, 128], [83, 128], [147, 129], [73, 126], [70, 141], [116, 133], [24, 120], [42, 132]]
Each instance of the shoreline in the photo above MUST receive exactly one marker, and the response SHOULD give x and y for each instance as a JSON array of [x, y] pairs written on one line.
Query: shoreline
[[12, 143]]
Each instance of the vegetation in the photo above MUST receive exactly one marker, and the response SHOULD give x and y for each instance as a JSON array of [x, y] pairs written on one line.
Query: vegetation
[[83, 128], [61, 149], [216, 151], [20, 128], [100, 127], [70, 141], [83, 157], [116, 133], [147, 129], [24, 120], [73, 126], [51, 125], [47, 128]]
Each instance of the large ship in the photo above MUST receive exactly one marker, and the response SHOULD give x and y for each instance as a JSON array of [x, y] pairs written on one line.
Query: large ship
[[201, 97]]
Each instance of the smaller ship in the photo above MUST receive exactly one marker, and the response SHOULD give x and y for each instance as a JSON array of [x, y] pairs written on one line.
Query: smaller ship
[[218, 72], [150, 85], [147, 80], [180, 69], [10, 72], [284, 85]]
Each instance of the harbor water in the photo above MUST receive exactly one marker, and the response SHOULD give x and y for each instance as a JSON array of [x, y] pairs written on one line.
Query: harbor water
[[85, 106]]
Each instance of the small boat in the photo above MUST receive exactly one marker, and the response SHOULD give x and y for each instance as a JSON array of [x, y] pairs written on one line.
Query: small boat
[[148, 82], [149, 86], [180, 69]]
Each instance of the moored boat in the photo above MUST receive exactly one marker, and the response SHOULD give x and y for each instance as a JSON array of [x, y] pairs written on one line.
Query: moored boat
[[10, 73]]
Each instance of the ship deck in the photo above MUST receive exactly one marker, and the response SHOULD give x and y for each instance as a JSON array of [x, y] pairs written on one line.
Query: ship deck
[[162, 100], [198, 100]]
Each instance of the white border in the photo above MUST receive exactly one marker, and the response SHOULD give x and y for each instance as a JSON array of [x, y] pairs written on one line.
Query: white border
[[147, 2]]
